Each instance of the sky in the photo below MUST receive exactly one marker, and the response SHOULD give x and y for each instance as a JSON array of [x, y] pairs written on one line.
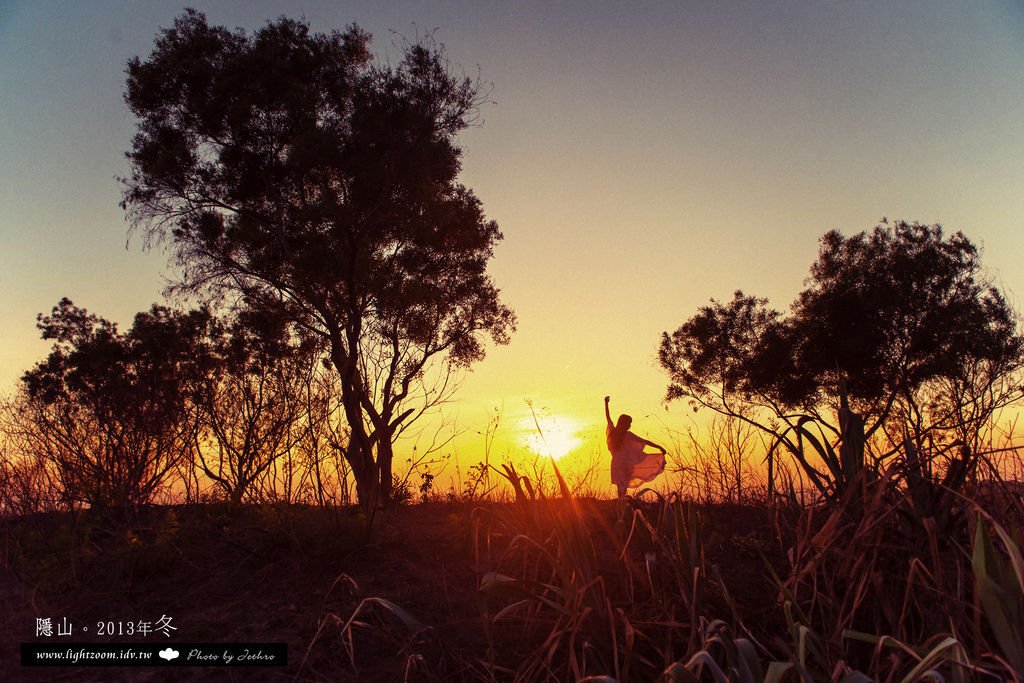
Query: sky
[[640, 158]]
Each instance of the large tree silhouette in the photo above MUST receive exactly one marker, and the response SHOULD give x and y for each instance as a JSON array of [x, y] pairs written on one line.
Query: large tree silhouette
[[898, 326], [291, 168]]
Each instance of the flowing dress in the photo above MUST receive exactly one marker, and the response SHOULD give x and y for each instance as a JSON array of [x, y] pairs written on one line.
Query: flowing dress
[[631, 466]]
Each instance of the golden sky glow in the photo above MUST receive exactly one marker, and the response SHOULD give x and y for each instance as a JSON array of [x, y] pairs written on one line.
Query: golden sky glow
[[553, 436], [640, 160]]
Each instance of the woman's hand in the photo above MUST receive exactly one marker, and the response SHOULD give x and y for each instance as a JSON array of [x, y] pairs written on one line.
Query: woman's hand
[[607, 399]]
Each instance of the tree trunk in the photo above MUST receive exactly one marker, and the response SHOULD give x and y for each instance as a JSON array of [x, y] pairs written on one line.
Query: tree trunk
[[385, 457], [359, 452], [367, 487]]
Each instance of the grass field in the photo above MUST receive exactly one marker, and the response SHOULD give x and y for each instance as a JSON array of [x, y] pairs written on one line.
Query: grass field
[[869, 588]]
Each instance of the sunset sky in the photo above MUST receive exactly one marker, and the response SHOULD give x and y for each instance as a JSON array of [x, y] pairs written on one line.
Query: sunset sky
[[640, 158]]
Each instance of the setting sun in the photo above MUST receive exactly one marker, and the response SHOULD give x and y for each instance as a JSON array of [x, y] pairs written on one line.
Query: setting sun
[[548, 435], [535, 341]]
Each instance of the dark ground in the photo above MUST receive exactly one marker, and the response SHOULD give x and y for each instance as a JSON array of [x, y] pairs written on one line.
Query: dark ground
[[295, 575]]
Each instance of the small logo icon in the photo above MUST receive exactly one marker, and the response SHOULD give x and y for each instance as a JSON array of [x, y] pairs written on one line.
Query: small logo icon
[[168, 654]]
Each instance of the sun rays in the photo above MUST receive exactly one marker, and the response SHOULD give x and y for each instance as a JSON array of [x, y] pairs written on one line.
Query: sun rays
[[554, 436]]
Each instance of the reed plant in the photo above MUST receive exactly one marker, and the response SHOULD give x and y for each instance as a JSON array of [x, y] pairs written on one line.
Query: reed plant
[[582, 596], [871, 589]]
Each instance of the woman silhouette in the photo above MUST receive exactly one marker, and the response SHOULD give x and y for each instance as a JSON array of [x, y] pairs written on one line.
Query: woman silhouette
[[631, 465]]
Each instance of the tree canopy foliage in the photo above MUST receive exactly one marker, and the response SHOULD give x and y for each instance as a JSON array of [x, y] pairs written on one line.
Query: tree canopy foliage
[[291, 168], [901, 319], [108, 410]]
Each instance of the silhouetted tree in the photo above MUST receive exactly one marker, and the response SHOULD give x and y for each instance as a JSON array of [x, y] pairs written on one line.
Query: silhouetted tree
[[900, 320], [27, 482], [251, 401], [290, 167], [324, 477], [107, 409]]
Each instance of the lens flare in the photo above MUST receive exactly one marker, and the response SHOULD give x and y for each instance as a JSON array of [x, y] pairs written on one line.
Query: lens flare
[[551, 436]]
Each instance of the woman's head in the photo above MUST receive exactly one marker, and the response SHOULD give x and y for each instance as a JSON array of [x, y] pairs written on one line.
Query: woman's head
[[624, 423]]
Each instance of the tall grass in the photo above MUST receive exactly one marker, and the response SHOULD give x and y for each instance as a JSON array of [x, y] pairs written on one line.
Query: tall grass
[[581, 595], [869, 590]]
